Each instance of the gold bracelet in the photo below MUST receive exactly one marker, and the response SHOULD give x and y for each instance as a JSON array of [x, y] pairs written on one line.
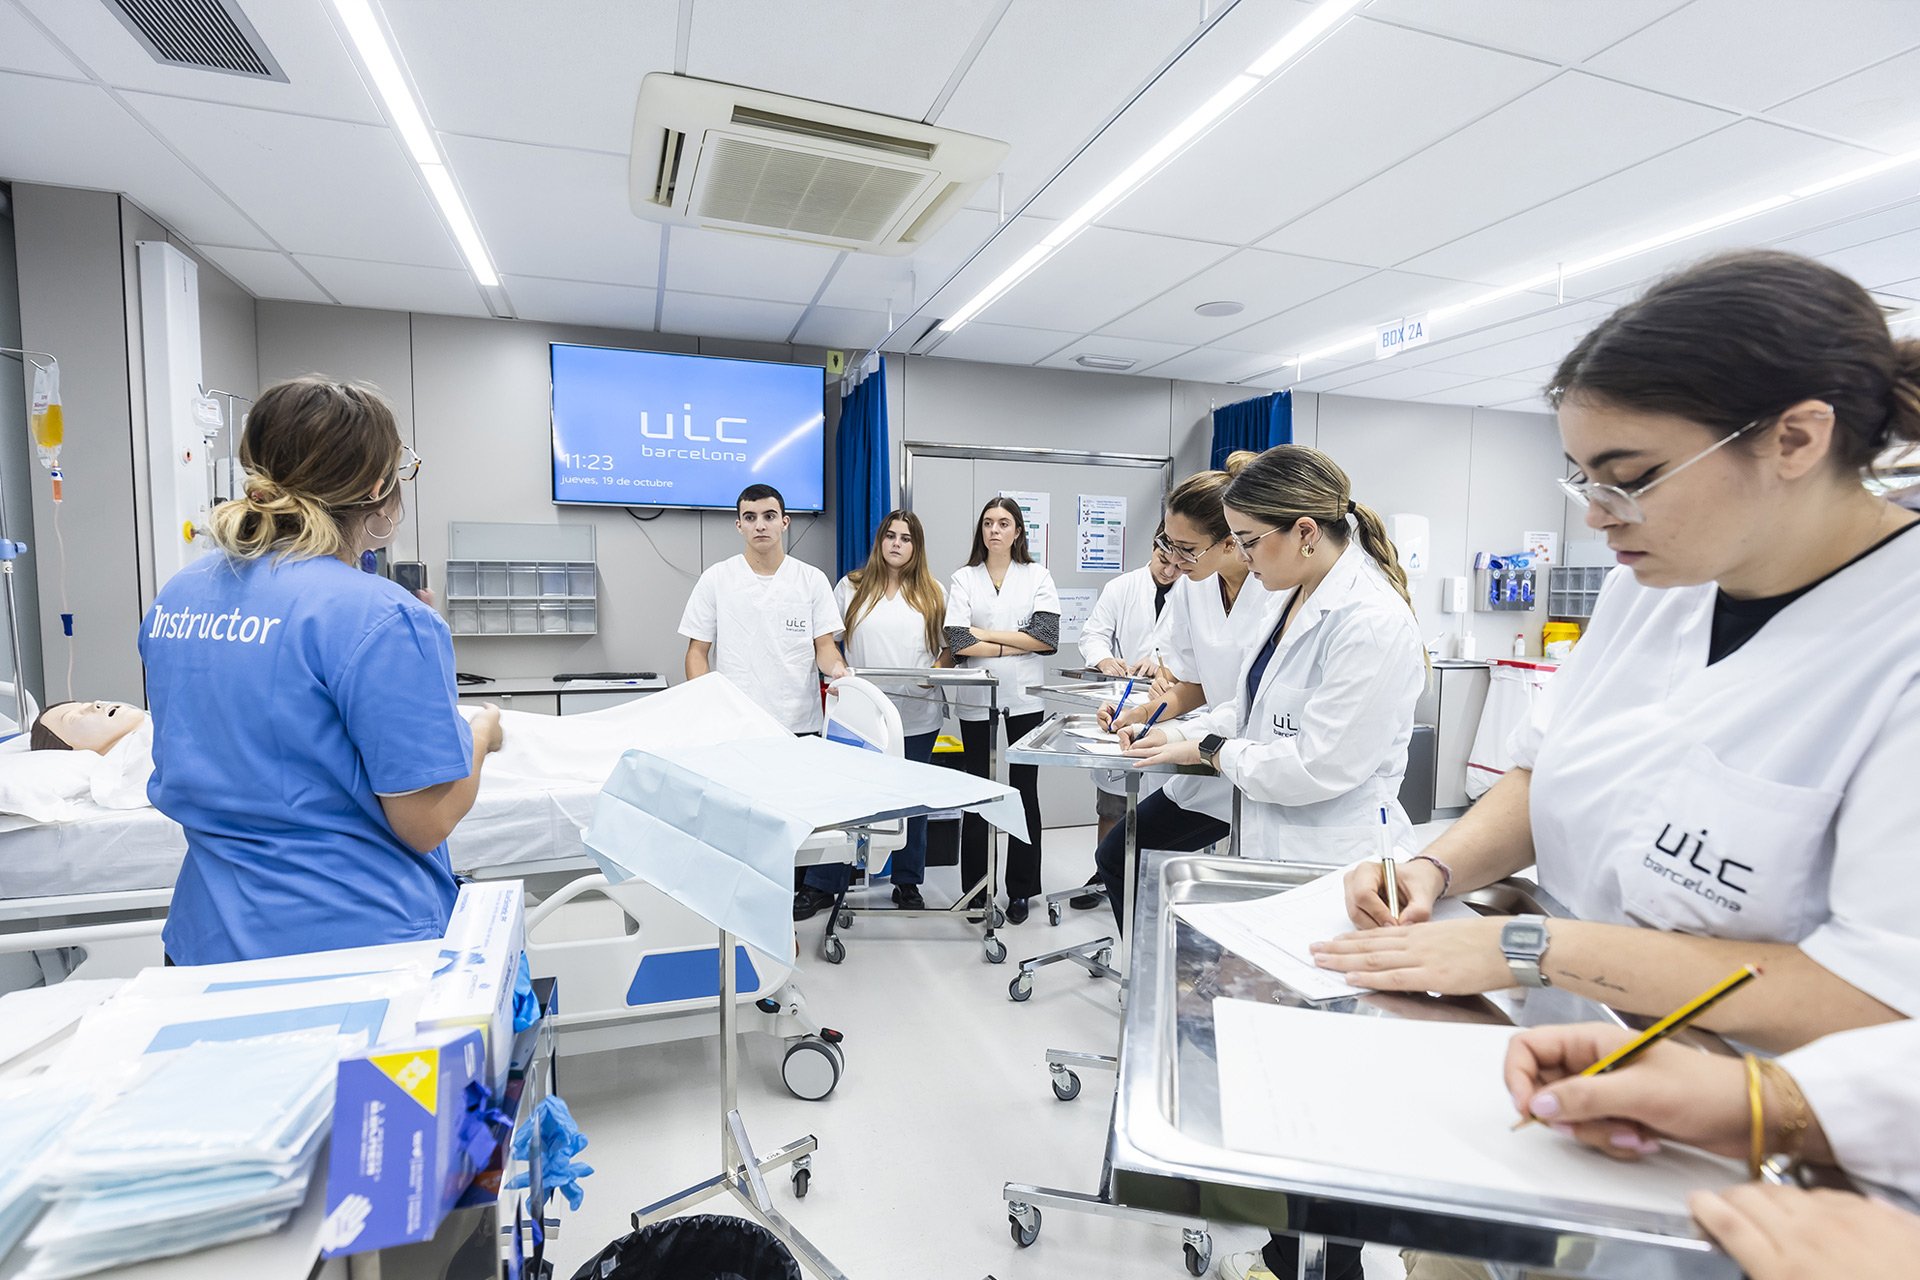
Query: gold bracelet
[[1792, 1128], [1757, 1131]]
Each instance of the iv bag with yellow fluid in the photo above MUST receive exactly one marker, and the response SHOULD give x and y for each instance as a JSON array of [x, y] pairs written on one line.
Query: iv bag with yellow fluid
[[46, 418]]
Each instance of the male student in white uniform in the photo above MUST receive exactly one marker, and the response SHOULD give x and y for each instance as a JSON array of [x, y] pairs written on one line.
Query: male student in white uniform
[[771, 617]]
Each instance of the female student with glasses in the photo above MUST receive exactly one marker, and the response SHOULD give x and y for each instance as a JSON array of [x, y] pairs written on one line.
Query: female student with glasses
[[304, 725], [1723, 771]]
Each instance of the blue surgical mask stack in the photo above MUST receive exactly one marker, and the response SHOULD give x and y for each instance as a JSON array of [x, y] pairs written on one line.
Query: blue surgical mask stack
[[32, 1117], [214, 1143]]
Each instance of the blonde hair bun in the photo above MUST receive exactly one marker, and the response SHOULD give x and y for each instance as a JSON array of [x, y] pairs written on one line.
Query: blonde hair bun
[[1237, 461]]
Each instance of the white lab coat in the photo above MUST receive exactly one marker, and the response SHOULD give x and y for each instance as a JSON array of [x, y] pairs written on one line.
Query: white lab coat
[[1771, 796], [1122, 625], [972, 602], [762, 631], [894, 634], [1863, 1086], [1205, 645], [1322, 747]]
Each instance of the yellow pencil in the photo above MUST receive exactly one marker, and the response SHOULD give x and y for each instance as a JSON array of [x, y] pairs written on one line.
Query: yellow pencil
[[1668, 1025]]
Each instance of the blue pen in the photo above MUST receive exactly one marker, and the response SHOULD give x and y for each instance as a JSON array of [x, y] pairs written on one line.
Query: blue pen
[[1124, 695], [1152, 719]]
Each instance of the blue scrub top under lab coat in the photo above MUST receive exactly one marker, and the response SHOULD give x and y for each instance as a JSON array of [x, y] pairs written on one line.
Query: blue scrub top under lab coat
[[287, 696]]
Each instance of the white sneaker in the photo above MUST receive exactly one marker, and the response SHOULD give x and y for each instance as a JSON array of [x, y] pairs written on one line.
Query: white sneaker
[[1245, 1266]]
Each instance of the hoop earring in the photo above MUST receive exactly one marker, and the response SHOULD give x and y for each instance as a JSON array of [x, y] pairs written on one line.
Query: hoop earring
[[380, 537]]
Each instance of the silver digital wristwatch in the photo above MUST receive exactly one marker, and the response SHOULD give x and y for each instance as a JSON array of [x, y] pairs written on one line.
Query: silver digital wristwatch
[[1523, 940]]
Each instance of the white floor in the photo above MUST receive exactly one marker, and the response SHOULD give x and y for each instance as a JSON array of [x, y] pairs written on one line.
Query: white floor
[[945, 1098]]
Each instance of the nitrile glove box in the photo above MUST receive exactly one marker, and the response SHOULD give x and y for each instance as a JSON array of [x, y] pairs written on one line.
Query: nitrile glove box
[[473, 979], [407, 1139]]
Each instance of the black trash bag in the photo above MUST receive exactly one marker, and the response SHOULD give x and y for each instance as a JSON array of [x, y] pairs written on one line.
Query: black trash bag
[[707, 1246]]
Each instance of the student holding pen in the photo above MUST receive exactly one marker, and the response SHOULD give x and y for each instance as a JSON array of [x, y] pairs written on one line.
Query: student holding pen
[[1723, 770]]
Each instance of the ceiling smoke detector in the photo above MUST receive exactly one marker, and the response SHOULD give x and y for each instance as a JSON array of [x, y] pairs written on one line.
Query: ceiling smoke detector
[[1212, 309], [1108, 364]]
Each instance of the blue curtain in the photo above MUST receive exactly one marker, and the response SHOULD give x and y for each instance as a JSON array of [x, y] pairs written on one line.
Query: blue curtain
[[1252, 424], [863, 478]]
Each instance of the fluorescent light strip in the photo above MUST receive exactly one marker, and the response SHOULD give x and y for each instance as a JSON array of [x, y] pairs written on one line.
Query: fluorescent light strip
[[1316, 24], [1636, 248], [377, 56]]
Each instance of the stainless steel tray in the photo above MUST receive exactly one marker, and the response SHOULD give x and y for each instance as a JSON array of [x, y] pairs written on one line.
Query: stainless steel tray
[[1051, 745], [1091, 694], [1166, 1150]]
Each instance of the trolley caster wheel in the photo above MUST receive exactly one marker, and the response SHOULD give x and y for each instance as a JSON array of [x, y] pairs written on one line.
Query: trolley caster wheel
[[996, 918], [1103, 957], [833, 951], [996, 951], [1024, 1235], [812, 1068], [803, 1177], [1053, 913], [1021, 988], [1066, 1087], [1199, 1256], [846, 920]]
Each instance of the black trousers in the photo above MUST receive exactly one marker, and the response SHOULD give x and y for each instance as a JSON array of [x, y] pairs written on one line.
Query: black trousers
[[1282, 1256], [1159, 823], [1021, 874]]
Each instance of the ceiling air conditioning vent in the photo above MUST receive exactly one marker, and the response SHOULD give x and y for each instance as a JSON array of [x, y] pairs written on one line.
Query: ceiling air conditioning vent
[[206, 35], [734, 159]]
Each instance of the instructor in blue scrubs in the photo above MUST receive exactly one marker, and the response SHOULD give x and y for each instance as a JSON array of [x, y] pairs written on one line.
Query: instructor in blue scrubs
[[305, 731]]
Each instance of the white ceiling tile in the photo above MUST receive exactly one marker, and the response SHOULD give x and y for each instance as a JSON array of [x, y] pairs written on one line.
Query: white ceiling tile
[[1876, 107], [873, 281], [1908, 289], [1763, 51], [612, 306], [79, 137], [905, 52], [1318, 129], [1563, 30], [322, 77], [587, 233], [570, 76], [23, 47], [317, 186], [1722, 171], [1090, 54], [842, 327], [1402, 384], [1001, 343], [1508, 393], [1844, 233], [1266, 283], [1568, 132], [745, 266], [266, 274], [1383, 296], [1143, 354], [1211, 364], [387, 286], [1100, 275], [1879, 263], [698, 315], [1505, 359]]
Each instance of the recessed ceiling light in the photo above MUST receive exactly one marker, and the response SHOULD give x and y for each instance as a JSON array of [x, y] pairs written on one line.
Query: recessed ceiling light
[[1220, 308], [1112, 364]]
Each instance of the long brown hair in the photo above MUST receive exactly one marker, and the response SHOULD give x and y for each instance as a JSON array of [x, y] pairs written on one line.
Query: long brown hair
[[1290, 482], [313, 449], [917, 584], [1019, 552]]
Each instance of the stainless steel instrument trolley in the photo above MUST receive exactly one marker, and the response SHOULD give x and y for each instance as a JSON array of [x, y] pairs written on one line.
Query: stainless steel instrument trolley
[[1165, 1151], [833, 949]]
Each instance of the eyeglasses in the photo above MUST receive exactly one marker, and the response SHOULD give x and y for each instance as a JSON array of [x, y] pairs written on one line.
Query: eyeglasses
[[409, 464], [1624, 504], [1245, 545], [1167, 547]]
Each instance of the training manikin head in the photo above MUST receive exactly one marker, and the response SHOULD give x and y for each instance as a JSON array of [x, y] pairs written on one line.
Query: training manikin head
[[84, 726]]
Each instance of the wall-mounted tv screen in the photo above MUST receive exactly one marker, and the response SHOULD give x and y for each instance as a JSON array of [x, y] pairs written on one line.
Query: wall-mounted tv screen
[[650, 429]]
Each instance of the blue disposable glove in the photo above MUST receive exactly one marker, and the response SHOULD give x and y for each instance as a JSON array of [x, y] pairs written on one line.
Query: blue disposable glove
[[560, 1141], [526, 1005]]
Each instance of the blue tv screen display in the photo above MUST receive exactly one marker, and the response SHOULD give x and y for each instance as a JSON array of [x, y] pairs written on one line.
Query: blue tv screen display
[[645, 428]]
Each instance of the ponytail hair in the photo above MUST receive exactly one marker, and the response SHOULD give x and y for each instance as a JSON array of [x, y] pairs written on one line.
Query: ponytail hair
[[1290, 482], [314, 449]]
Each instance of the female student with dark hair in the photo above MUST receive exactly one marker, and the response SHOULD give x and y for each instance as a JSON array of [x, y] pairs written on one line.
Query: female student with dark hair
[[894, 613], [1003, 614], [1723, 771]]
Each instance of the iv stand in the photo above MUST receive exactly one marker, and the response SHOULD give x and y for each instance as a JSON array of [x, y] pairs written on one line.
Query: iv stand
[[9, 552]]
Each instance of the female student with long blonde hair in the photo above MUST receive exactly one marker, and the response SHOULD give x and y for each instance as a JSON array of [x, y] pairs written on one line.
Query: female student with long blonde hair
[[894, 610]]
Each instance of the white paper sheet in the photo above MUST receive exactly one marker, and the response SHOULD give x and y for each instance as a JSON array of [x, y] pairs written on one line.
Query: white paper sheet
[[1102, 748], [1276, 932], [34, 1016], [1399, 1098]]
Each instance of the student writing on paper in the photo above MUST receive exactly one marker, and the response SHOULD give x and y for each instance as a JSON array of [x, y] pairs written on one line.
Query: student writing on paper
[[1704, 784], [1848, 1100]]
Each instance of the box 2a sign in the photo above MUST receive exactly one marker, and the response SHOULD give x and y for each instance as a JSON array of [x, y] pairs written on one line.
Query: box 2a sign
[[1394, 338]]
